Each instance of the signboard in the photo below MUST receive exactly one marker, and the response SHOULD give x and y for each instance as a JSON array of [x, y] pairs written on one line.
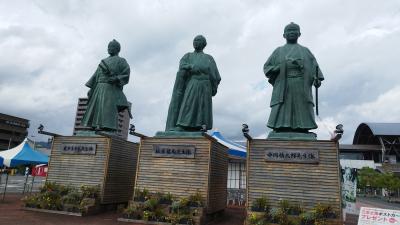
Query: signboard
[[174, 151], [292, 155], [349, 189], [78, 149], [376, 216]]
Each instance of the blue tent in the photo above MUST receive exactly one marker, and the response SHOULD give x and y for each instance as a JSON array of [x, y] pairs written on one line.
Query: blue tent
[[235, 149], [1, 161], [23, 154]]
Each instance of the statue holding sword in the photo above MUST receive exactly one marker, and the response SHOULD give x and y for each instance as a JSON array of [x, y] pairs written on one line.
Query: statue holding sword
[[292, 70]]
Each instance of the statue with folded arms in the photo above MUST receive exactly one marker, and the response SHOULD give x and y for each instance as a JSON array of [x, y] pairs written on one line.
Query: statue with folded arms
[[105, 97]]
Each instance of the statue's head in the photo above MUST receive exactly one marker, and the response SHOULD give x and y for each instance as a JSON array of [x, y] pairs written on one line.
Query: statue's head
[[199, 42], [292, 32], [114, 47]]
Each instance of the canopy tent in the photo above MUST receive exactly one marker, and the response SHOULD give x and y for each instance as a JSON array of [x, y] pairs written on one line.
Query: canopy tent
[[235, 149], [1, 161], [23, 154]]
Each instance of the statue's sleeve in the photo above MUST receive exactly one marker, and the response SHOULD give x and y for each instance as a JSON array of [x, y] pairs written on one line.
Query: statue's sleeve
[[177, 94], [271, 63], [215, 77], [123, 77], [92, 82], [315, 66], [184, 63]]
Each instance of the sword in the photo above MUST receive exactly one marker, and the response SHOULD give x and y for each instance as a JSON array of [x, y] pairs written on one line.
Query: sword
[[316, 91]]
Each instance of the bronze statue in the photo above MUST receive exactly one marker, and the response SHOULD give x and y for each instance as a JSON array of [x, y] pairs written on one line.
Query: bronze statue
[[196, 82], [105, 97], [292, 70]]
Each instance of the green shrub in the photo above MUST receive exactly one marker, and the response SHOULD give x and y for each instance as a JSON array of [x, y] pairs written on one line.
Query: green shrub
[[90, 191], [260, 205], [134, 212], [196, 200], [324, 211], [284, 205], [151, 204], [295, 209], [307, 218], [31, 201], [73, 197]]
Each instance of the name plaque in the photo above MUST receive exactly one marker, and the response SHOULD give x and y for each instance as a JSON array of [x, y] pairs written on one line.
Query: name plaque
[[292, 155], [174, 151], [78, 149]]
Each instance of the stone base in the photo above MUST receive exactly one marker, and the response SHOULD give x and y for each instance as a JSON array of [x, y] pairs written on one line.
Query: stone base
[[273, 135], [111, 165], [174, 134], [292, 173], [204, 171]]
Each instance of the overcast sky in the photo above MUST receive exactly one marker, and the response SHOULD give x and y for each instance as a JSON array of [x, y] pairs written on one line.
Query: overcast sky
[[49, 49]]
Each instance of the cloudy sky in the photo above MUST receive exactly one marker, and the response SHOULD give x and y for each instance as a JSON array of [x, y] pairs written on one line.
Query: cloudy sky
[[51, 48]]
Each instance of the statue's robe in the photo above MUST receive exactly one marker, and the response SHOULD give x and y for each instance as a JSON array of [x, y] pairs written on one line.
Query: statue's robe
[[292, 101], [106, 98], [191, 102]]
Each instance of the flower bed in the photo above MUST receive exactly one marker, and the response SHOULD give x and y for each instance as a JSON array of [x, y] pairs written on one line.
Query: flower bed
[[290, 214], [57, 197], [159, 208]]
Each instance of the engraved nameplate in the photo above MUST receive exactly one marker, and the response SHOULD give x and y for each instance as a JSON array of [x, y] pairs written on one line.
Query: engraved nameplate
[[174, 151], [292, 155], [78, 149]]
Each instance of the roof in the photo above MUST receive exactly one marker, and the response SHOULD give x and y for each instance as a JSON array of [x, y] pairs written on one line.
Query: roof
[[366, 132], [384, 129], [23, 154], [235, 150]]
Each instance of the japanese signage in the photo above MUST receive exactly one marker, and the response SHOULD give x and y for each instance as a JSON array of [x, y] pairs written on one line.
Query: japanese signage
[[292, 155], [174, 151], [78, 149], [375, 216], [349, 189]]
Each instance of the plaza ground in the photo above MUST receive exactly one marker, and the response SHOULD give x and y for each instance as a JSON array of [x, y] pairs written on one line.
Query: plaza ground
[[11, 213]]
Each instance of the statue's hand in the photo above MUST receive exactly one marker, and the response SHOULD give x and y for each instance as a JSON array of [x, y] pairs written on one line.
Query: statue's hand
[[195, 69], [112, 80], [317, 83], [186, 67]]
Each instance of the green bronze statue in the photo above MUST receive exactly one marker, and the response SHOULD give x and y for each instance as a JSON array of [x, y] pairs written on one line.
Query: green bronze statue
[[197, 80], [292, 70], [105, 97]]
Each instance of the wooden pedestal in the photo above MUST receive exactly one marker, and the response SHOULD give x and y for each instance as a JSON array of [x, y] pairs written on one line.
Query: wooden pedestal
[[204, 172], [112, 165], [306, 181]]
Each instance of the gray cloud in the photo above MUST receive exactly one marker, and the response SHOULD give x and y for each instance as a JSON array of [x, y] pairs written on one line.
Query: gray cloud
[[50, 49]]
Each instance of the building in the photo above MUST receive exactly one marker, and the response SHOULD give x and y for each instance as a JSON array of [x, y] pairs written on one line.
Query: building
[[236, 170], [123, 119], [13, 131], [377, 142]]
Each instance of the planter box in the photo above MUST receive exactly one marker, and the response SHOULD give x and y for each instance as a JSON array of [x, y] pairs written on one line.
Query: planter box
[[52, 211], [305, 172], [203, 168], [109, 163]]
